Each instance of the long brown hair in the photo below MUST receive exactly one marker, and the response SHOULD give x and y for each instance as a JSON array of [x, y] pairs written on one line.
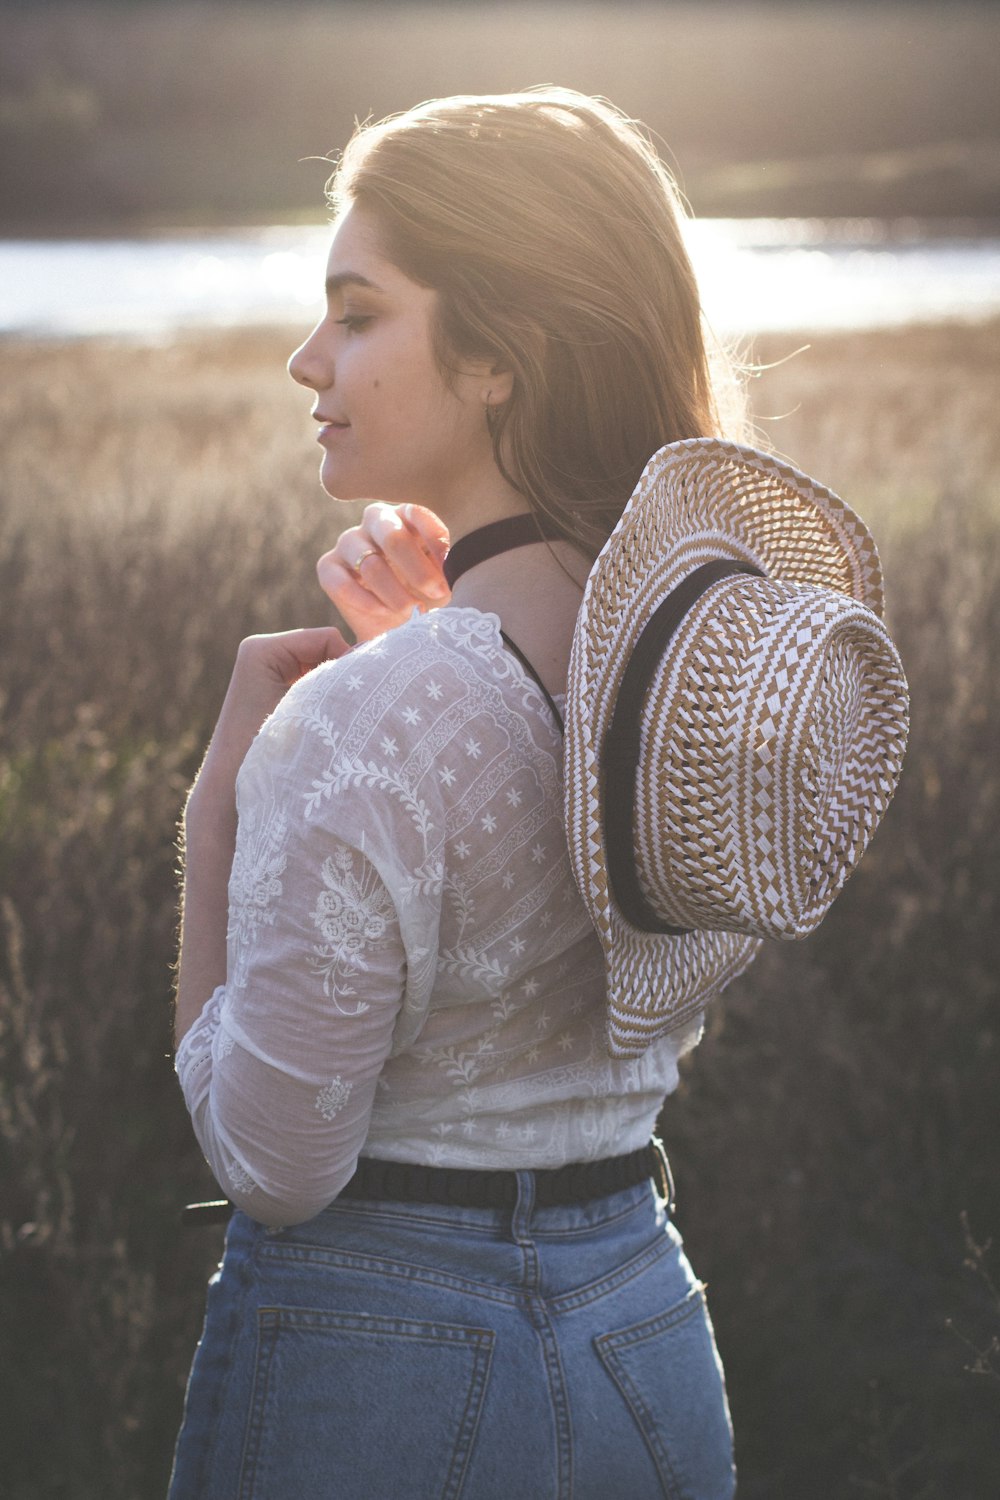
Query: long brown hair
[[551, 231]]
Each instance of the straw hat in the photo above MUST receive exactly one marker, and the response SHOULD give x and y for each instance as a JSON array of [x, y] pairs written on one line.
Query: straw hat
[[735, 724]]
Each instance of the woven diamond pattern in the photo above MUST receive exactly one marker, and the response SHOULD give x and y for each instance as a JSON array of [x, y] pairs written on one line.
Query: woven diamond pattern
[[773, 728]]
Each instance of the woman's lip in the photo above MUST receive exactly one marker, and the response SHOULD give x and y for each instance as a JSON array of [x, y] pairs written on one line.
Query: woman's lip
[[331, 429]]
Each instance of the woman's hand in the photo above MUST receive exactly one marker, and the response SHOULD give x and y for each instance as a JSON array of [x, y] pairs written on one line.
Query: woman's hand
[[381, 569], [266, 667]]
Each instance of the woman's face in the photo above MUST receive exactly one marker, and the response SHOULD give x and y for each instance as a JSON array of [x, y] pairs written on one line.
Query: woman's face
[[391, 427]]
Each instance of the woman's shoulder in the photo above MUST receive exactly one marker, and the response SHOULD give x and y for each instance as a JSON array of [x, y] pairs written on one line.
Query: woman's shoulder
[[386, 743], [419, 684], [471, 634], [464, 643], [436, 655]]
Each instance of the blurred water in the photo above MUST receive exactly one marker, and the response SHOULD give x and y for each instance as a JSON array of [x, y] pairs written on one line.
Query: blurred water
[[756, 275], [773, 274]]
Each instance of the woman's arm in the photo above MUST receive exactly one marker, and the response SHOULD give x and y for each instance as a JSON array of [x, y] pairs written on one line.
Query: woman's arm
[[238, 1092], [327, 935], [266, 667]]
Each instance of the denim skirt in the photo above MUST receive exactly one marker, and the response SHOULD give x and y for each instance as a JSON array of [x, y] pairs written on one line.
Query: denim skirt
[[387, 1350]]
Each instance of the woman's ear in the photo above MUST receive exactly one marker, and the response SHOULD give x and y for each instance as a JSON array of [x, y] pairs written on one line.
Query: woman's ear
[[498, 385]]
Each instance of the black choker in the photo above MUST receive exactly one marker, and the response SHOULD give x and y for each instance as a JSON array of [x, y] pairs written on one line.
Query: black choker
[[497, 536]]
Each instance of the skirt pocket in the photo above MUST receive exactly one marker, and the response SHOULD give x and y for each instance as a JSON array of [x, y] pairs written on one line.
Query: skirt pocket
[[357, 1405], [668, 1371]]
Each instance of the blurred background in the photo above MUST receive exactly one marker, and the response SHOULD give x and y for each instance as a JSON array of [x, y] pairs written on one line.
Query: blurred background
[[199, 113], [162, 232]]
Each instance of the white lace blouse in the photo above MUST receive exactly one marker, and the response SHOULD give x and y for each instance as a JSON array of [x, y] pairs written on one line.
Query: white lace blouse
[[411, 972]]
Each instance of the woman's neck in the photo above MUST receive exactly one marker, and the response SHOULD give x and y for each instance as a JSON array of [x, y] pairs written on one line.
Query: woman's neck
[[481, 495], [493, 539], [535, 590]]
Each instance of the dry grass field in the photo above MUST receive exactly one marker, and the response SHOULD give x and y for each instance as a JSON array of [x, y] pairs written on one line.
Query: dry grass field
[[835, 1137]]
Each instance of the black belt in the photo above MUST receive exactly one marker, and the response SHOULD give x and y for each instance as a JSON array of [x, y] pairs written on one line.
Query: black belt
[[463, 1187]]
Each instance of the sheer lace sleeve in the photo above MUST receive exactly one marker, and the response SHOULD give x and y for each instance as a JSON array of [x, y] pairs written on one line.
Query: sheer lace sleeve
[[331, 929]]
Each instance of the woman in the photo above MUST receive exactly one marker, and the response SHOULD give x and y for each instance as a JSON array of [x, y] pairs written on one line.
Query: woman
[[494, 1303]]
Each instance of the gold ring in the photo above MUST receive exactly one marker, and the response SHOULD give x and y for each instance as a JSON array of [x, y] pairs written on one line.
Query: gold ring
[[372, 552]]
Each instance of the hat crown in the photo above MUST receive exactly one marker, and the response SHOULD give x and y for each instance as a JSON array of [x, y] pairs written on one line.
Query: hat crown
[[772, 746]]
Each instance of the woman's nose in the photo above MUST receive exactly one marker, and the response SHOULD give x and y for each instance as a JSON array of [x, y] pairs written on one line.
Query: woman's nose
[[307, 365]]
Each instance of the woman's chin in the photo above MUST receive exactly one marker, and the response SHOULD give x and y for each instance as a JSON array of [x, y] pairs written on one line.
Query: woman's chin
[[336, 486], [335, 494]]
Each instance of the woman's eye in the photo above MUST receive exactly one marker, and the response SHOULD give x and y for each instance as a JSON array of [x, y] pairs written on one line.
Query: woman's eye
[[354, 322]]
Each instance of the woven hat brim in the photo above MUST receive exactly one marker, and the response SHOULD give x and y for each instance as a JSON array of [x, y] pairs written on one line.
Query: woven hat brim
[[696, 501], [658, 985]]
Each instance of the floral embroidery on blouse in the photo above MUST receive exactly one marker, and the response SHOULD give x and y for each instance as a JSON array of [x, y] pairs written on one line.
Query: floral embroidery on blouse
[[352, 915], [239, 1178], [332, 1097], [255, 883]]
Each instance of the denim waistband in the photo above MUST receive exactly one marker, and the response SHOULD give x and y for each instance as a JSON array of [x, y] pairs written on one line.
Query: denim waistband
[[554, 1187], [461, 1187]]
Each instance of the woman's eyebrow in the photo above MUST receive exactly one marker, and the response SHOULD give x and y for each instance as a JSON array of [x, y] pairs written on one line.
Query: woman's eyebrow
[[349, 278]]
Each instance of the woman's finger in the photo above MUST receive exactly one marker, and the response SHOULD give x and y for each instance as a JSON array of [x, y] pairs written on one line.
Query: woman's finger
[[370, 583], [313, 644], [288, 654], [430, 528], [366, 614], [374, 574], [413, 542]]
